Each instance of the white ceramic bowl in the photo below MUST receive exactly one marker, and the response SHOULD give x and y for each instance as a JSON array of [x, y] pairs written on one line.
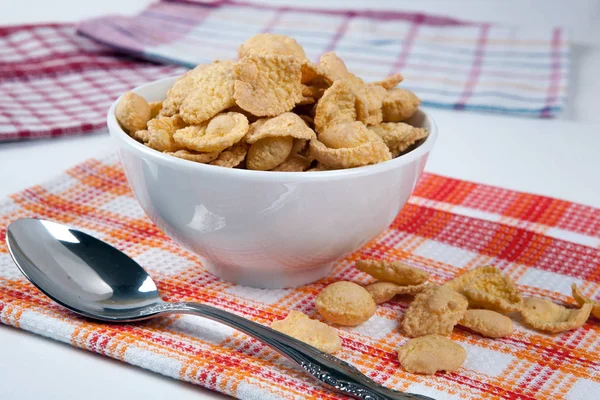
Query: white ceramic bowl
[[267, 229]]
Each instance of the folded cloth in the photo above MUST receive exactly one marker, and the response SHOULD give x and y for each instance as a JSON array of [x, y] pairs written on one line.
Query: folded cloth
[[448, 226], [54, 82], [450, 64]]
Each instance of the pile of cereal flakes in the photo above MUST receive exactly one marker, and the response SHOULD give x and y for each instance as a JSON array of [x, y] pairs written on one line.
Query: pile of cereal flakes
[[274, 110], [477, 300]]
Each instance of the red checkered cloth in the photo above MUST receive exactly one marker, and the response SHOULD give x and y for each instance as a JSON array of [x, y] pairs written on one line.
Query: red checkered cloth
[[54, 82], [447, 227]]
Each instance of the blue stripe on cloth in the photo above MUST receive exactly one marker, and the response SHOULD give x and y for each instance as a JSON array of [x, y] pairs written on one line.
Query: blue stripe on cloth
[[494, 109]]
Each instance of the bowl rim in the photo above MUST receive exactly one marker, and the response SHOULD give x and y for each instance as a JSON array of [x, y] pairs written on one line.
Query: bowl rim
[[117, 133]]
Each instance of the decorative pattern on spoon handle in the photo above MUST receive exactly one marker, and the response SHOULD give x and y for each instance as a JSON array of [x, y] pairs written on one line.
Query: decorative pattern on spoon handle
[[328, 369]]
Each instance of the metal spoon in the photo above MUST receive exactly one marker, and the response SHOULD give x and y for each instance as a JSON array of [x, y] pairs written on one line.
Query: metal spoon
[[94, 279]]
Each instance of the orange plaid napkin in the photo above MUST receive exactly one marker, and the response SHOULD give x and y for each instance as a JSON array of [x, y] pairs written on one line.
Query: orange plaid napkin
[[448, 226]]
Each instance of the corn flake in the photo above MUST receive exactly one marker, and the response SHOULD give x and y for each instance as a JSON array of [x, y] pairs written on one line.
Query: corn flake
[[318, 168], [373, 96], [267, 85], [436, 310], [314, 74], [399, 105], [390, 82], [196, 157], [461, 280], [294, 163], [286, 124], [133, 112], [269, 152], [383, 292], [315, 333], [155, 108], [219, 133], [271, 44], [334, 67], [181, 89], [338, 105], [161, 131], [233, 156], [487, 323], [430, 354], [398, 136], [581, 299], [213, 93], [544, 315], [371, 152], [142, 136], [393, 271], [299, 146], [345, 303], [494, 292]]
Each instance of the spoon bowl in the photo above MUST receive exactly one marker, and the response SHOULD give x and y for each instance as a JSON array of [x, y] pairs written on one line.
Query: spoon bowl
[[94, 279], [80, 272]]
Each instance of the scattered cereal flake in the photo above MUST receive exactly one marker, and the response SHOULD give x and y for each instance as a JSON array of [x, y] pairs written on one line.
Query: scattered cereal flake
[[233, 156], [580, 298], [461, 280], [132, 112], [345, 303], [337, 105], [399, 105], [286, 124], [494, 292], [181, 89], [162, 130], [196, 157], [487, 323], [269, 152], [393, 271], [390, 82], [430, 354], [383, 292], [267, 85], [219, 133], [434, 311], [544, 315], [213, 93], [371, 152], [310, 331], [271, 44], [294, 163], [398, 136]]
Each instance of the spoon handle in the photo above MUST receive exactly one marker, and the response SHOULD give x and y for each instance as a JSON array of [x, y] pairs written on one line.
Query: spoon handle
[[330, 370]]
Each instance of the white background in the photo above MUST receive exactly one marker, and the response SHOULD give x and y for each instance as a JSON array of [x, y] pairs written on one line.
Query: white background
[[559, 158]]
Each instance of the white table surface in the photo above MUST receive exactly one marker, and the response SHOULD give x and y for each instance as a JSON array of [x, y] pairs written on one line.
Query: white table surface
[[558, 158]]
